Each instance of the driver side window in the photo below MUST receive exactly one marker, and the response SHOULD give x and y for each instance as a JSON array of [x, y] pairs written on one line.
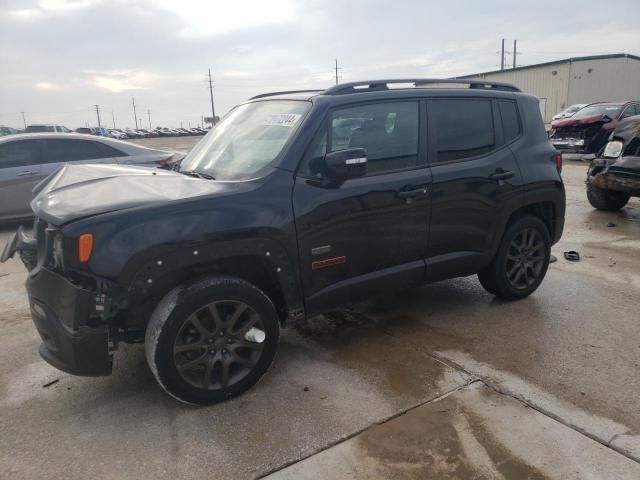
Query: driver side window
[[387, 131]]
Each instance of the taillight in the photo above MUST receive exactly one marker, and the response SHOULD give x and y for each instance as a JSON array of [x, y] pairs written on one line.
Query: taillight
[[557, 159], [85, 245]]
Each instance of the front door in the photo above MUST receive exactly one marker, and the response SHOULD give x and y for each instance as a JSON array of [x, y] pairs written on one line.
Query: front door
[[20, 171], [371, 232]]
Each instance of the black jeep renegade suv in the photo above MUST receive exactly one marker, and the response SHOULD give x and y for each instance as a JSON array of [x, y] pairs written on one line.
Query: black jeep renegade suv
[[295, 203]]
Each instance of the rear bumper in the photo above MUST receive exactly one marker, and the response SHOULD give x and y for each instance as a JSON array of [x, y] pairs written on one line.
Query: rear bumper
[[60, 311]]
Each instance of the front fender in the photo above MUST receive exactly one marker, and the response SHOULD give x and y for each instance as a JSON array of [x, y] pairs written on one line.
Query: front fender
[[158, 268]]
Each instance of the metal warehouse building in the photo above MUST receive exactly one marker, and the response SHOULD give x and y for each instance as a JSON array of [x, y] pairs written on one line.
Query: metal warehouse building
[[566, 82]]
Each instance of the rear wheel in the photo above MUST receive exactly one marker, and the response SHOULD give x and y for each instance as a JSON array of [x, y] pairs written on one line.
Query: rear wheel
[[212, 340], [521, 262], [607, 200]]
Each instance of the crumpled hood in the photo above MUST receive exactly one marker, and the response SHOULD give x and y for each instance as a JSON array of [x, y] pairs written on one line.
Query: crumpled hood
[[77, 191], [574, 122]]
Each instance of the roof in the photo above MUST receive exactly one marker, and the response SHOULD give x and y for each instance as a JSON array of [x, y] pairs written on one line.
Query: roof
[[34, 135], [371, 86], [128, 147], [557, 62]]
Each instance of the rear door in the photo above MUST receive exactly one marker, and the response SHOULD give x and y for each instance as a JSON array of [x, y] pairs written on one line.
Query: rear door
[[368, 233], [476, 180], [20, 171]]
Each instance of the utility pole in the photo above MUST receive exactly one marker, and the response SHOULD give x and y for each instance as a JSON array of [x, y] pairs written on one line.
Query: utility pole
[[98, 114], [514, 53], [149, 115], [336, 71], [213, 110], [135, 115], [24, 120], [113, 119], [502, 56]]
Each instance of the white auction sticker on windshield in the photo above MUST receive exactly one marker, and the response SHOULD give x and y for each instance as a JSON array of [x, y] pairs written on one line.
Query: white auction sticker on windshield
[[283, 119]]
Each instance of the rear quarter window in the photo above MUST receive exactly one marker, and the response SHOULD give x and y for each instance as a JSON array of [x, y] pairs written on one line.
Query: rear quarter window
[[510, 119]]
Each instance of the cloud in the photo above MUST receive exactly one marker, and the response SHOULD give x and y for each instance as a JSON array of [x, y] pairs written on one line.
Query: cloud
[[211, 18], [46, 86], [105, 51], [124, 81]]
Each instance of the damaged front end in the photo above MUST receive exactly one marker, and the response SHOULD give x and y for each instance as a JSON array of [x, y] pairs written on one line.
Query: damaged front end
[[580, 138], [622, 173], [71, 311]]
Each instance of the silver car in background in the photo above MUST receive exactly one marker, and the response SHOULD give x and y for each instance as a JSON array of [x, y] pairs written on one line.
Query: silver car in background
[[28, 158]]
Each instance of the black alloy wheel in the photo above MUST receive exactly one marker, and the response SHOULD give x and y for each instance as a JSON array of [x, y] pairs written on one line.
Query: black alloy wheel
[[219, 344]]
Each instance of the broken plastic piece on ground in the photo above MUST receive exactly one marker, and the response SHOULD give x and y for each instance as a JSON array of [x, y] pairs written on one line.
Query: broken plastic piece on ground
[[572, 256], [53, 382], [255, 335], [611, 224]]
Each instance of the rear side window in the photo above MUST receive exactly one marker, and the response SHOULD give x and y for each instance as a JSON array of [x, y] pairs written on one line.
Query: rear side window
[[463, 128], [59, 151], [510, 119], [19, 154]]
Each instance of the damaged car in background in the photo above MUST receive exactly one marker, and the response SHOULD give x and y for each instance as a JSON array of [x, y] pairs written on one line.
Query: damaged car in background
[[615, 177], [569, 112], [584, 135]]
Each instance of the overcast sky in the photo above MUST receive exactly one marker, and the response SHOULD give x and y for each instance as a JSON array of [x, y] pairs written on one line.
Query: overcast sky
[[58, 58]]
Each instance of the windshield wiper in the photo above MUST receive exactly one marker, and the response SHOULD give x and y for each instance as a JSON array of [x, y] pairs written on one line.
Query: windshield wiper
[[194, 173]]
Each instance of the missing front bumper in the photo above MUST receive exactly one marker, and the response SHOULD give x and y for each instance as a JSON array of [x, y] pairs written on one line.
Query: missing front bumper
[[60, 311]]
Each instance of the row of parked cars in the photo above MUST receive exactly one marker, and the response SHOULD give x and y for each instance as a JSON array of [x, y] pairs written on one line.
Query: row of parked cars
[[119, 133], [126, 133]]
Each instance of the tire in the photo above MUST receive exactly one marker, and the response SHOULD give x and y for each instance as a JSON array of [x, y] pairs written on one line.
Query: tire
[[203, 341], [521, 261], [607, 200]]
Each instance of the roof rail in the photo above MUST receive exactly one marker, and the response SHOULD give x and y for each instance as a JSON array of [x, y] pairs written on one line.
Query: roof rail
[[273, 94], [376, 85]]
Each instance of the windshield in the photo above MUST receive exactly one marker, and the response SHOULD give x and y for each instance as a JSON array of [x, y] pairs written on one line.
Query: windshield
[[609, 110], [247, 141]]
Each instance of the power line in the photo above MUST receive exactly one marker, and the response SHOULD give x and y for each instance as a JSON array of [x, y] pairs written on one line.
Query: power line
[[213, 110], [135, 115]]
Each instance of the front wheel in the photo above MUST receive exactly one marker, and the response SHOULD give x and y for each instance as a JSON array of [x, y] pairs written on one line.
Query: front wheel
[[607, 200], [211, 340], [521, 261]]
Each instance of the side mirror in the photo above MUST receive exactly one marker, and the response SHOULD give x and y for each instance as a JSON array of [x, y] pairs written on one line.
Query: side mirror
[[346, 164]]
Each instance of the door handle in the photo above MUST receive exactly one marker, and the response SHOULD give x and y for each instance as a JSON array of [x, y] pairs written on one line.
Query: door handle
[[502, 175], [413, 193], [25, 173]]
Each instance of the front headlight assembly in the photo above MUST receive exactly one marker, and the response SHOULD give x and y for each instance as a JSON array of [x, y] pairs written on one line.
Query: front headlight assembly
[[613, 149]]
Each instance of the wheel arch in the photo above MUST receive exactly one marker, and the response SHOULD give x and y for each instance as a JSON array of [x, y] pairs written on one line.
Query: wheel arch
[[263, 263]]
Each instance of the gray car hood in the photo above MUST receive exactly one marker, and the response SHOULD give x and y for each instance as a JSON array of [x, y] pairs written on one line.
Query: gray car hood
[[77, 191]]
